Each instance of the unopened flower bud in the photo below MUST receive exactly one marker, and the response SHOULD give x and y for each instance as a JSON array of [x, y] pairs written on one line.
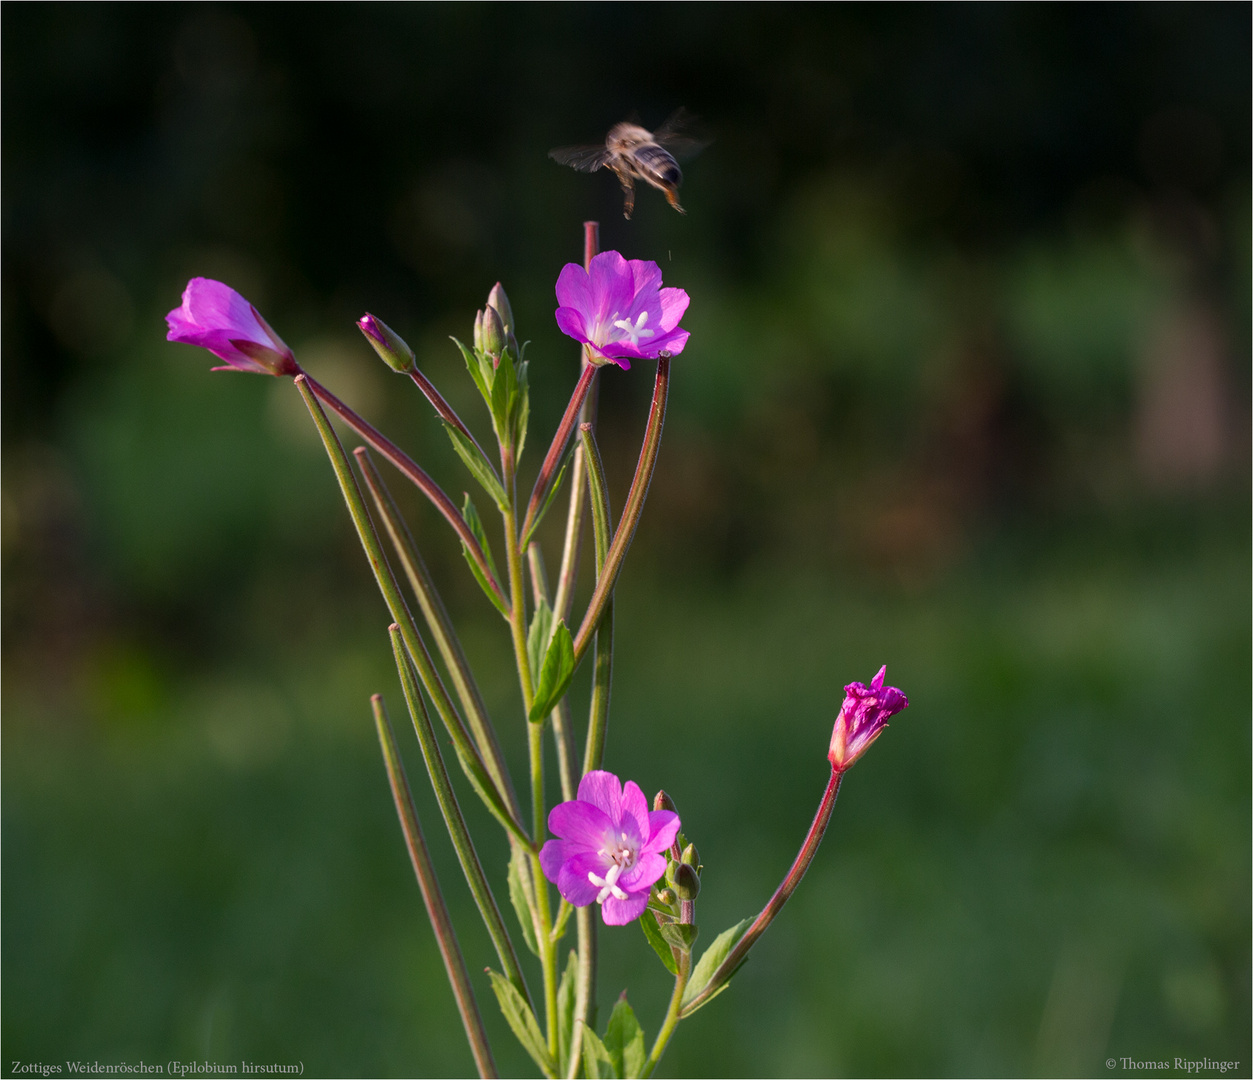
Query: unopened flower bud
[[387, 343], [662, 801], [498, 300], [478, 331], [690, 855], [667, 896], [492, 333], [686, 882]]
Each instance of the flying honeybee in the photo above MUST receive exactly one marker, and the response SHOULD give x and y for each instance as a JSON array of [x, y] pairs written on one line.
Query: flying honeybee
[[635, 153]]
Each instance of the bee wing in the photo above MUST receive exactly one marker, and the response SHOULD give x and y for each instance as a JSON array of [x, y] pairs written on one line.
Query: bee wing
[[679, 135], [583, 158]]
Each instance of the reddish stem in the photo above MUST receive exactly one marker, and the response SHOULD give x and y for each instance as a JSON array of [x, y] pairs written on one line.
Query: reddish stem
[[788, 886]]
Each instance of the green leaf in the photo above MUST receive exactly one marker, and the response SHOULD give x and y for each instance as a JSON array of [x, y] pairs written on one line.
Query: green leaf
[[565, 1006], [712, 958], [475, 524], [480, 373], [680, 935], [648, 923], [595, 1056], [523, 413], [517, 895], [482, 469], [624, 1040], [538, 636], [504, 395], [522, 1022], [548, 501], [555, 674], [499, 604]]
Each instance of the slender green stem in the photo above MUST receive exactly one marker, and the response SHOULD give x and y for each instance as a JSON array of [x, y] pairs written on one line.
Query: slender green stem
[[432, 897], [558, 446], [631, 511], [673, 1013], [563, 599], [441, 627], [467, 752], [584, 985], [562, 735], [413, 471], [535, 745], [602, 671], [455, 823], [788, 886]]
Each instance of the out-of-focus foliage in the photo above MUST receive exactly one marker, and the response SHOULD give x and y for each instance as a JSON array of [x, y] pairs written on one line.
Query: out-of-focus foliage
[[967, 392]]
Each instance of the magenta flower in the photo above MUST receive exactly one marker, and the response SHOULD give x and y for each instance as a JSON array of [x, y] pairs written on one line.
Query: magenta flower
[[620, 309], [611, 848], [865, 713], [215, 317]]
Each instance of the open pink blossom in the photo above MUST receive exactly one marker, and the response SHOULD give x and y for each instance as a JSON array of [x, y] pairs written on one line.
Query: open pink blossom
[[215, 317], [611, 848], [864, 714], [620, 309]]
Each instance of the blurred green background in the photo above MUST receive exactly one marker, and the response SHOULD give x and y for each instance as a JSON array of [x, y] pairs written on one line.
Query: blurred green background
[[967, 393]]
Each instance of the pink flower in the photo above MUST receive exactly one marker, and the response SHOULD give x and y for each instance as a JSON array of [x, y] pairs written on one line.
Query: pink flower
[[864, 714], [215, 317], [612, 848], [620, 309]]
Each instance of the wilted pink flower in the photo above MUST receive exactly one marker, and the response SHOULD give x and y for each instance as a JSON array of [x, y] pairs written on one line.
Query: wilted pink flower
[[865, 713], [215, 317], [620, 309], [611, 848]]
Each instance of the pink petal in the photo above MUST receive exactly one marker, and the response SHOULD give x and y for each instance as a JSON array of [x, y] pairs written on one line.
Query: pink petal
[[580, 822], [635, 809], [673, 304], [648, 868], [664, 826], [573, 882], [574, 288], [613, 286], [617, 912], [603, 790], [571, 323]]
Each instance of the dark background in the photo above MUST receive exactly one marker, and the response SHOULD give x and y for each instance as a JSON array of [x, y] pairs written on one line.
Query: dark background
[[967, 393]]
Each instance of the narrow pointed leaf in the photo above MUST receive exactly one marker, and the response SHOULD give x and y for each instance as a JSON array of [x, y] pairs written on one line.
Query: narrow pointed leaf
[[522, 1022], [711, 958], [538, 636], [479, 466], [565, 1006], [475, 525], [524, 411], [624, 1040], [548, 501], [648, 923], [482, 378], [596, 1060], [517, 896], [555, 674]]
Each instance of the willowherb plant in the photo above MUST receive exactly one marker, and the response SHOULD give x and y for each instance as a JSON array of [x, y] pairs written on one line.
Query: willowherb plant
[[610, 850]]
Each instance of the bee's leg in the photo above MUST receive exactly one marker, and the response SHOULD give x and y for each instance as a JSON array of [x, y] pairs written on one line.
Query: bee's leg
[[628, 195], [672, 197]]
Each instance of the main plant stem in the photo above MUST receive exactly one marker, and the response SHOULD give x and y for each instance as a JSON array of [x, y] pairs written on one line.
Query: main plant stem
[[673, 1013], [535, 744]]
